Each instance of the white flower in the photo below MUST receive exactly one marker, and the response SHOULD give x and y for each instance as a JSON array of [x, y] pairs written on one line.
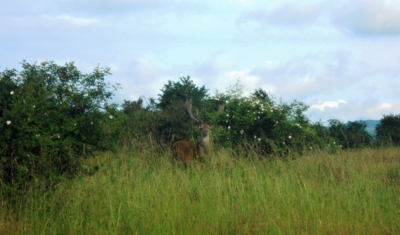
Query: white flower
[[33, 106], [290, 136], [227, 102], [91, 123], [8, 122], [69, 89], [111, 116], [259, 139], [86, 95], [310, 147], [229, 127], [334, 143], [255, 137], [12, 93], [241, 132], [58, 136], [227, 115]]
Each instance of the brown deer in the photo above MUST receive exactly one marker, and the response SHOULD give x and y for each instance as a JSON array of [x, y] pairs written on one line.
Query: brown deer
[[185, 150]]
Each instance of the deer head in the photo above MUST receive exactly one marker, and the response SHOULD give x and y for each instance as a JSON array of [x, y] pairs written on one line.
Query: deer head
[[186, 150]]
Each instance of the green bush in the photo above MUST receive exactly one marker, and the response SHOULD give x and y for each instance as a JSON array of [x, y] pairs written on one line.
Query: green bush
[[52, 116], [388, 130], [257, 120], [351, 135]]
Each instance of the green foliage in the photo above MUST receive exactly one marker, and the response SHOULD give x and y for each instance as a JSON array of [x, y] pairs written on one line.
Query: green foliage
[[179, 92], [140, 120], [51, 117], [174, 122], [350, 135], [357, 135], [388, 130], [259, 121]]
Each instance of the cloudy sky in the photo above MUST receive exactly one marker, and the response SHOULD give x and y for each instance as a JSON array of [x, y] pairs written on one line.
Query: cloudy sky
[[340, 57]]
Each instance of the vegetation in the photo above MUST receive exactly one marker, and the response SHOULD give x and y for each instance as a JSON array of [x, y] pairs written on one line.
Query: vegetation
[[388, 130], [73, 163], [141, 191], [52, 116]]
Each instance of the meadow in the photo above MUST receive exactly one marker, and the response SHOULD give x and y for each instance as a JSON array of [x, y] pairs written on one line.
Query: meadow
[[142, 191]]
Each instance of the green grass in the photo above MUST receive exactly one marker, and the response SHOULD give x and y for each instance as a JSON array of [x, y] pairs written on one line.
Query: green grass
[[144, 192]]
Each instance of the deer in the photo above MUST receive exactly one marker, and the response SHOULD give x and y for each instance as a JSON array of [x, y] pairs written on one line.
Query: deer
[[186, 150]]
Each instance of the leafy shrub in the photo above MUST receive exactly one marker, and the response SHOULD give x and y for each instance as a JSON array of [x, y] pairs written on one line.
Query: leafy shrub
[[350, 135], [388, 130], [51, 117], [273, 128]]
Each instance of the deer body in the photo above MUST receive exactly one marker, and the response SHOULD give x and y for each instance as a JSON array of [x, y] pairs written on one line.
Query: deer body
[[186, 150]]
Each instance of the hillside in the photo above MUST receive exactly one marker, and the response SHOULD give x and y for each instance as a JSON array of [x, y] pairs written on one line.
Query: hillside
[[371, 124]]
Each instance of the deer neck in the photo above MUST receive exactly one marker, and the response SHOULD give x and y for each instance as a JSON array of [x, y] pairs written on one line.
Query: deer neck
[[204, 142]]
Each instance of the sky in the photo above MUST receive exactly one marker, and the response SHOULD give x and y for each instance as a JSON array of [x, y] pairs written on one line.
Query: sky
[[342, 58]]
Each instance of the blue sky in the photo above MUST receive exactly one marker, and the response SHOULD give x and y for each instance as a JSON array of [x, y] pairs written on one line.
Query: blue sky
[[340, 57]]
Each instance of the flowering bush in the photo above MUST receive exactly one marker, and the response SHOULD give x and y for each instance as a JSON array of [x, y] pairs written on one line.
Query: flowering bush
[[257, 120], [52, 116]]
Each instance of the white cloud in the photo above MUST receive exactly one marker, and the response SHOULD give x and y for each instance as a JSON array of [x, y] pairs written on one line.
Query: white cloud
[[322, 105], [383, 107], [307, 76], [70, 20], [368, 17], [288, 14]]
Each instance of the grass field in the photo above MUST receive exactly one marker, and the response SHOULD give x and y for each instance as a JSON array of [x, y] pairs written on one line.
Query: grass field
[[144, 192]]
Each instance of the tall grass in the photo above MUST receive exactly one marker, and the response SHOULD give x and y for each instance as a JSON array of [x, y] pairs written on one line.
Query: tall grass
[[141, 191]]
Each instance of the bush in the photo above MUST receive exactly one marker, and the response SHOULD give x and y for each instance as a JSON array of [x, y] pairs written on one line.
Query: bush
[[388, 130], [52, 116], [262, 123], [350, 135]]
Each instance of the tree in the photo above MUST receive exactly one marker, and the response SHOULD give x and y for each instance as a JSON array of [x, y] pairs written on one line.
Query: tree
[[337, 130], [388, 130], [174, 122], [357, 135], [52, 116], [140, 121], [349, 135], [179, 92]]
